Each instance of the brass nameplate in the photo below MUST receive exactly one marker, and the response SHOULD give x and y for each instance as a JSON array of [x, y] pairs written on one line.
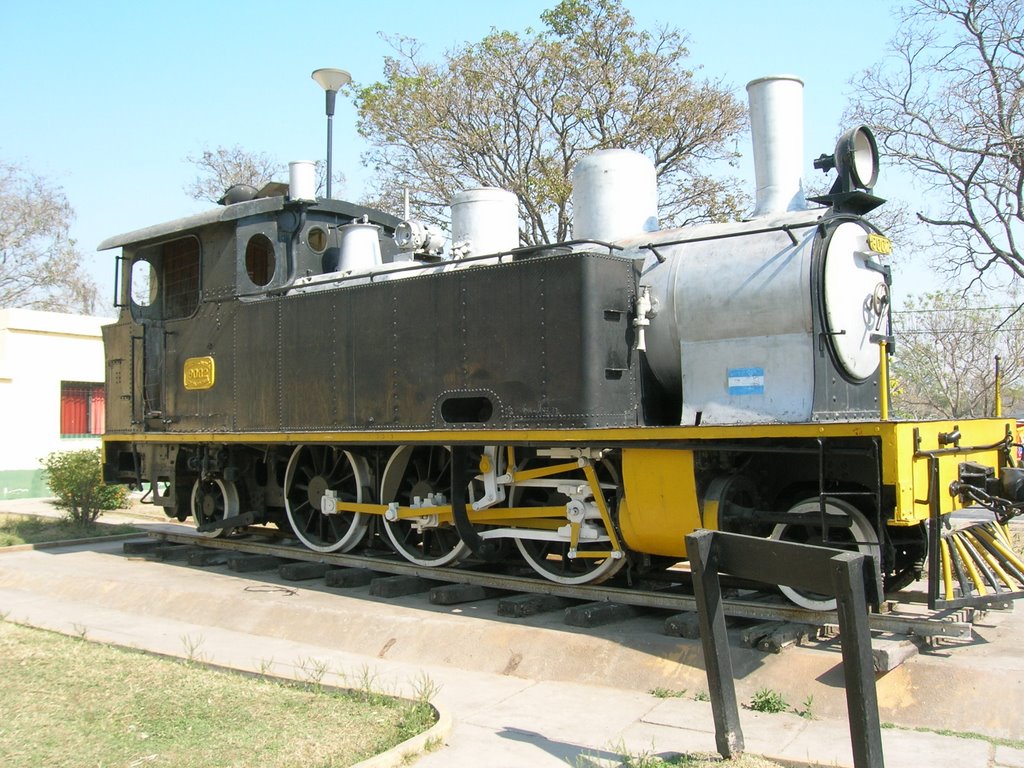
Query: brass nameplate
[[200, 373]]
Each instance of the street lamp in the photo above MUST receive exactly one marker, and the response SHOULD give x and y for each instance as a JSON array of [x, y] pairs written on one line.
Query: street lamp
[[331, 80]]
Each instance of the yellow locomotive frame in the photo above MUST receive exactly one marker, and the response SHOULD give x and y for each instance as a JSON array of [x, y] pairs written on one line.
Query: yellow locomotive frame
[[919, 460]]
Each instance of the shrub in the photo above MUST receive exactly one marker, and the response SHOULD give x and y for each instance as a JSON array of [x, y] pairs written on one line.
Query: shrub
[[76, 480], [767, 700]]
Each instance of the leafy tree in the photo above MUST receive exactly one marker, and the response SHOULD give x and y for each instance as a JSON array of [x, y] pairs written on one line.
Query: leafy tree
[[949, 105], [517, 110], [40, 267], [224, 167], [76, 480], [944, 365]]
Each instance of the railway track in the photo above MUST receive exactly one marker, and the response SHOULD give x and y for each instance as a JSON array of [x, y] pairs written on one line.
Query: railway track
[[672, 597]]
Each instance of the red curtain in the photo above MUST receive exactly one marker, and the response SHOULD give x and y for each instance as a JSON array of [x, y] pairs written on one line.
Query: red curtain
[[97, 410], [82, 409], [74, 410]]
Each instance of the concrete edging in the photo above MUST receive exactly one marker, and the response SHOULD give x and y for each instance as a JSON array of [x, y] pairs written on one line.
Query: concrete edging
[[400, 753], [73, 542]]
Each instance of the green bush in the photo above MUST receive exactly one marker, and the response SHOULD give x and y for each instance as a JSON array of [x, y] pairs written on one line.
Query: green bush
[[76, 479], [767, 700]]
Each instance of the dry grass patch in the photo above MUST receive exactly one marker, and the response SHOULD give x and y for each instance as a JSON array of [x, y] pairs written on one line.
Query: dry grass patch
[[28, 529], [71, 702], [625, 759]]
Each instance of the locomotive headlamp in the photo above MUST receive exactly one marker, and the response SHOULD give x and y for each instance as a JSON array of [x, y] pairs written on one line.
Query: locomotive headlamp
[[855, 160], [857, 155], [856, 163], [331, 80]]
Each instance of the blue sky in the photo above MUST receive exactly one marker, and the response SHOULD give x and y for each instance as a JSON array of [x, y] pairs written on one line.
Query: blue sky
[[107, 99]]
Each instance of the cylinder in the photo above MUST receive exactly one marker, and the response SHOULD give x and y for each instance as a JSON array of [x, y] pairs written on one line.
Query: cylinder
[[777, 134], [302, 180], [614, 195], [484, 220]]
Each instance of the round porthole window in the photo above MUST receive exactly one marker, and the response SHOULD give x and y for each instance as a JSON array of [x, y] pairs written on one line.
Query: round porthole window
[[317, 239], [259, 260]]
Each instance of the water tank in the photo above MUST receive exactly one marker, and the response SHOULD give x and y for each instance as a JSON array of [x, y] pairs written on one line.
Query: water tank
[[614, 195], [484, 220]]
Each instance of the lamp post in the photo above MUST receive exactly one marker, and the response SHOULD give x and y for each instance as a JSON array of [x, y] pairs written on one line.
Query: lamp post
[[331, 80]]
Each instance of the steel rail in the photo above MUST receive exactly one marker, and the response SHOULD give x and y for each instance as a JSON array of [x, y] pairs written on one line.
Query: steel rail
[[921, 626]]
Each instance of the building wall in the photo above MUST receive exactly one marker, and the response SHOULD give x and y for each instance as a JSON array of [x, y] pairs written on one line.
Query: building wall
[[39, 350]]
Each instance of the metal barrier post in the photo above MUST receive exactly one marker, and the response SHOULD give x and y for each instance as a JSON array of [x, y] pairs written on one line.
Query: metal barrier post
[[858, 666], [802, 566], [711, 614]]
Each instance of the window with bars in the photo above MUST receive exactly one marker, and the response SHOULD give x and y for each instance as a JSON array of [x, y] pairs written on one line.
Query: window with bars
[[180, 277], [165, 280], [82, 408]]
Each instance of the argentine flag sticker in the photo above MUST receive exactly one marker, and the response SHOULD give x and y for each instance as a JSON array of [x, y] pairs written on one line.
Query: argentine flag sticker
[[746, 381]]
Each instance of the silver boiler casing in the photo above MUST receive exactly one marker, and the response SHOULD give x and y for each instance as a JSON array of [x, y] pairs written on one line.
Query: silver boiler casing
[[749, 327]]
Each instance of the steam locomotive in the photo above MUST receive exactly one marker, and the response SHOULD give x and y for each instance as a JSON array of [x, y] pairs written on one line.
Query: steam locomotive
[[580, 407]]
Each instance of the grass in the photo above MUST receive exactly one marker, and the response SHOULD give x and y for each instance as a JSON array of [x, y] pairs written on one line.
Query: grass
[[28, 529], [70, 702], [649, 759], [667, 693], [994, 740]]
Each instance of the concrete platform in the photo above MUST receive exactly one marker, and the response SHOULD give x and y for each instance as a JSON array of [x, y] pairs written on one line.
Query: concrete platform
[[522, 691]]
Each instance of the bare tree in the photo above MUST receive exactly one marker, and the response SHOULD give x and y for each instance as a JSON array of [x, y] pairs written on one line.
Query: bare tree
[[945, 357], [40, 267], [949, 105], [517, 110], [224, 167]]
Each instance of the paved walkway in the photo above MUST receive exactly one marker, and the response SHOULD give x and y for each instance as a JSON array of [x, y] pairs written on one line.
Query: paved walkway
[[500, 720]]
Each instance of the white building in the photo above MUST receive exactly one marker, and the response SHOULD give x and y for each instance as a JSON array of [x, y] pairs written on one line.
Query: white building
[[51, 393]]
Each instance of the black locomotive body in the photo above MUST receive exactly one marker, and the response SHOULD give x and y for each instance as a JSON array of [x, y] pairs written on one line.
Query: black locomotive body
[[283, 360]]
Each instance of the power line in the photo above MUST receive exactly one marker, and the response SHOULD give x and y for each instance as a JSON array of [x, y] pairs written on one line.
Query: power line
[[957, 332], [953, 309]]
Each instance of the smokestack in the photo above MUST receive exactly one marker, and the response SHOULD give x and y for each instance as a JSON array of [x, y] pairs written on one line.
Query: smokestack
[[777, 133]]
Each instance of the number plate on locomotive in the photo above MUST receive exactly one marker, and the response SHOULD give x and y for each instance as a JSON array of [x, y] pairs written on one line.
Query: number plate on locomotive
[[879, 244], [200, 373]]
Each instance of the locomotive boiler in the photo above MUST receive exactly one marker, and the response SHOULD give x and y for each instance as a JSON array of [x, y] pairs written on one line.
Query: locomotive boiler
[[578, 407]]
